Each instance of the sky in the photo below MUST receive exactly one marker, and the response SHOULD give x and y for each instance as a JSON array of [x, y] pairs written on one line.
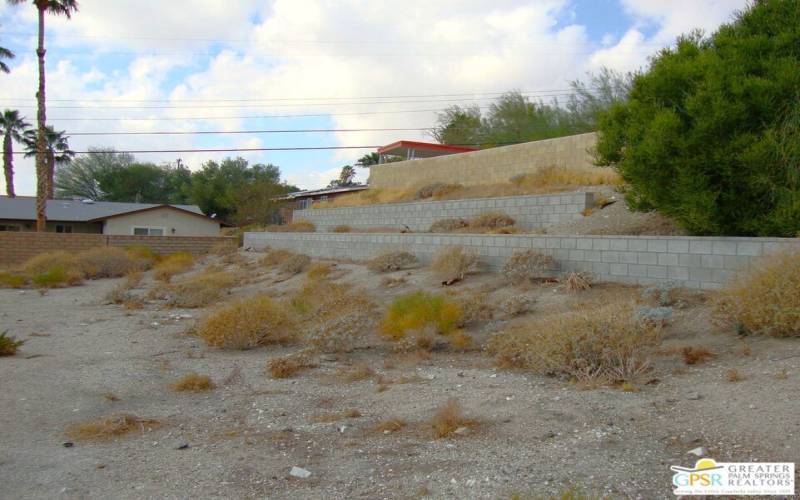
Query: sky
[[217, 65]]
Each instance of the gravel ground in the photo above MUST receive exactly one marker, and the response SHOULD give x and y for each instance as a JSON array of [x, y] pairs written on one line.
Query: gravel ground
[[537, 436]]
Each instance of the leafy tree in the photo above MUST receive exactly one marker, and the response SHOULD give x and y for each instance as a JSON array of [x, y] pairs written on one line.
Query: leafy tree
[[368, 160], [57, 153], [709, 132], [588, 101], [5, 54], [457, 125], [81, 177], [59, 8], [346, 177], [13, 128]]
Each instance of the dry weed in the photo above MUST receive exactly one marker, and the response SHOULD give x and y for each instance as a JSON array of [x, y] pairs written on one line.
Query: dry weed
[[290, 365], [734, 375], [526, 266], [696, 355], [9, 344], [113, 426], [109, 262], [491, 220], [295, 264], [452, 264], [390, 425], [12, 280], [247, 323], [355, 373], [274, 256], [335, 417], [320, 270], [298, 226], [392, 281], [418, 312], [436, 190], [391, 261], [574, 282], [474, 309], [516, 305], [110, 396], [201, 289], [171, 265], [342, 229], [449, 420], [194, 382]]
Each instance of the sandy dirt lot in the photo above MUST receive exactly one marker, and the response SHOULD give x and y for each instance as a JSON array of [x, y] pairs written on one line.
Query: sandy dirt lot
[[535, 436]]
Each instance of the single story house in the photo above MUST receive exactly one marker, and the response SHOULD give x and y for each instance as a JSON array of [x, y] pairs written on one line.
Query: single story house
[[105, 217], [300, 200]]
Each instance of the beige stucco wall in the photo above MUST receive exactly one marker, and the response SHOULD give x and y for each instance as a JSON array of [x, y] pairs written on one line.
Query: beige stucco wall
[[488, 166], [183, 223]]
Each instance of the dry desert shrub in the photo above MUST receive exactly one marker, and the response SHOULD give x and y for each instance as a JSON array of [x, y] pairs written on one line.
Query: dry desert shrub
[[392, 281], [298, 226], [171, 265], [109, 262], [12, 280], [247, 323], [113, 426], [320, 270], [607, 343], [143, 253], [273, 257], [45, 262], [448, 225], [575, 282], [420, 313], [392, 261], [491, 220], [765, 300], [290, 365], [696, 355], [355, 373], [57, 277], [121, 292], [452, 264], [564, 177], [201, 290], [194, 382], [516, 305], [734, 375], [342, 229], [9, 344], [525, 266], [335, 417], [436, 190], [295, 264], [449, 420], [390, 425], [475, 308]]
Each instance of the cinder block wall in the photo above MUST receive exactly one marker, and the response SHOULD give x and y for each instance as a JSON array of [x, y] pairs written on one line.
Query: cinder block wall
[[530, 212], [17, 247], [693, 262], [488, 166]]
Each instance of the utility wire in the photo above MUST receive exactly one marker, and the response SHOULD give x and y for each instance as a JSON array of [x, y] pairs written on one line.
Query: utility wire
[[270, 131]]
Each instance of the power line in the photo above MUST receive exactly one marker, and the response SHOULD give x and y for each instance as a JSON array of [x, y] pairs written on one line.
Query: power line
[[271, 131], [223, 150]]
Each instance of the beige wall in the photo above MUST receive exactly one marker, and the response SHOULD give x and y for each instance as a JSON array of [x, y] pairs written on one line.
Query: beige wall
[[183, 223], [488, 166]]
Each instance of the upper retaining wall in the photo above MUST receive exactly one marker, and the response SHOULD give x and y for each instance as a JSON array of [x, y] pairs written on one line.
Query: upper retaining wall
[[530, 212], [17, 247], [487, 166], [692, 262]]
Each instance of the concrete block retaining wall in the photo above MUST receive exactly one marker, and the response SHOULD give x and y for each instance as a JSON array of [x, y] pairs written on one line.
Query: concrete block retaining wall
[[693, 262], [530, 212]]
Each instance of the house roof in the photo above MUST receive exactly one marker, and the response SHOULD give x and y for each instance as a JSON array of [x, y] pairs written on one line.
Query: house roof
[[317, 192], [24, 208], [422, 149]]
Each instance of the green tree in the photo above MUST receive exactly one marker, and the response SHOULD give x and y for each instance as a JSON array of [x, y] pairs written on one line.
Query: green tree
[[368, 160], [57, 153], [589, 100], [5, 54], [457, 125], [708, 134], [59, 8], [13, 128], [346, 177], [81, 177]]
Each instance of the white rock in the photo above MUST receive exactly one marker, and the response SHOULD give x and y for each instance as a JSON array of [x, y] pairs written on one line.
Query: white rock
[[699, 451], [461, 430], [300, 472]]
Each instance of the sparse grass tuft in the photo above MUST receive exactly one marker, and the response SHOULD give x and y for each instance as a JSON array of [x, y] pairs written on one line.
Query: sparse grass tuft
[[247, 323], [290, 365], [418, 313], [342, 229], [436, 190], [295, 264], [474, 309], [274, 257], [355, 373], [516, 305], [765, 299], [734, 375], [57, 277], [298, 226], [110, 262], [390, 425], [194, 382], [335, 417], [391, 261], [696, 355], [575, 282], [46, 262], [452, 264], [113, 426], [200, 290], [9, 344], [320, 270], [12, 280], [491, 220], [526, 266], [171, 265], [448, 419], [607, 343], [448, 225]]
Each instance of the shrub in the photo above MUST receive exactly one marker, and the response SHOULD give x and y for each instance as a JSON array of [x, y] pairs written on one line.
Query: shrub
[[116, 425], [109, 262], [274, 257], [491, 220], [298, 226], [342, 229], [765, 299], [290, 365], [46, 262], [418, 311], [575, 282], [448, 419], [474, 309], [607, 343], [435, 190], [516, 305], [247, 323], [709, 133], [320, 270], [391, 261], [144, 253], [526, 266], [9, 344], [194, 382], [454, 263], [172, 265], [448, 225], [696, 355], [295, 264], [201, 290], [12, 280], [390, 425], [56, 277]]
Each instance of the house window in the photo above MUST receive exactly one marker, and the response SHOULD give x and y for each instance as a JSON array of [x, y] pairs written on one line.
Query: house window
[[148, 231], [63, 228], [303, 203]]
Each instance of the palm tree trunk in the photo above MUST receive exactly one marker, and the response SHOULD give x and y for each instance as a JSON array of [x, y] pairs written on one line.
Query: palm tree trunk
[[51, 169], [8, 165], [41, 119]]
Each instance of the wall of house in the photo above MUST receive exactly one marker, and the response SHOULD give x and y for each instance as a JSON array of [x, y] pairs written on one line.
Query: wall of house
[[77, 227], [693, 262], [530, 212], [488, 166], [17, 247], [169, 219]]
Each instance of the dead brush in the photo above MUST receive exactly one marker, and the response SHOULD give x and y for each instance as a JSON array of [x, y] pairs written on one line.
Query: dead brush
[[452, 264], [491, 220], [320, 270], [342, 229], [113, 426], [448, 225], [388, 262], [526, 266], [765, 300], [9, 344], [12, 279], [247, 323], [696, 355], [355, 373], [109, 262], [390, 425], [194, 382], [295, 264], [201, 289], [273, 257], [335, 417], [475, 309], [607, 343], [393, 282], [121, 293], [734, 375], [298, 226], [290, 365], [575, 282], [448, 421], [516, 305], [171, 265]]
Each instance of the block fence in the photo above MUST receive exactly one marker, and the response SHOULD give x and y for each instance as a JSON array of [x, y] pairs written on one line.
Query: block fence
[[17, 247], [487, 166], [692, 262], [530, 212]]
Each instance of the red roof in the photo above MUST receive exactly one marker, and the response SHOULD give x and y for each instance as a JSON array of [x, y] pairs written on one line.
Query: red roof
[[436, 149]]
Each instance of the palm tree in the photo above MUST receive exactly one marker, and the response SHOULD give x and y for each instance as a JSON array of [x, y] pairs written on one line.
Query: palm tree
[[13, 127], [5, 54], [58, 8], [57, 152]]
